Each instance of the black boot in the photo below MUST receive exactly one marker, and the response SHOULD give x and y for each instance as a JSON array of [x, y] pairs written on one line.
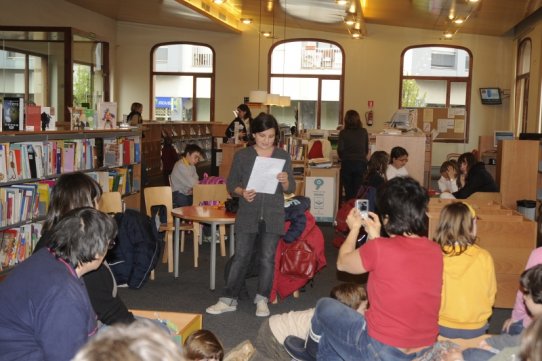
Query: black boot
[[301, 350]]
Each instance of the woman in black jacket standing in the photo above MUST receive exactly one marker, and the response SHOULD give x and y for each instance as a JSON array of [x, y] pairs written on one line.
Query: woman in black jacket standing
[[352, 149], [478, 178]]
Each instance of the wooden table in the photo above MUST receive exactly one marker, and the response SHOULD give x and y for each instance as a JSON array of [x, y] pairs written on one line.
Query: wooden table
[[212, 215]]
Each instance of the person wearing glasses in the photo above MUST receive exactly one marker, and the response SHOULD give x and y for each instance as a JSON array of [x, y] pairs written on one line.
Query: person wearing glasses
[[184, 175], [45, 310], [72, 191]]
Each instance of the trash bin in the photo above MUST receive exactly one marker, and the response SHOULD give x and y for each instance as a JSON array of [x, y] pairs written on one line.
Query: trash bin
[[527, 208]]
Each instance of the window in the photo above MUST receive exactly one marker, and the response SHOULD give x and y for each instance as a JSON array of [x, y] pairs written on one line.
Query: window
[[24, 75], [522, 85], [182, 82], [444, 60], [436, 77], [310, 72]]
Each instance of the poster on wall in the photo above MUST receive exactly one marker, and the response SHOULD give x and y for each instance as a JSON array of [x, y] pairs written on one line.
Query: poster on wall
[[321, 191]]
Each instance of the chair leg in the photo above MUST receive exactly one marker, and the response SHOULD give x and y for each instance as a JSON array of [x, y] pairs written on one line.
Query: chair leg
[[222, 235], [182, 241], [169, 251], [164, 254]]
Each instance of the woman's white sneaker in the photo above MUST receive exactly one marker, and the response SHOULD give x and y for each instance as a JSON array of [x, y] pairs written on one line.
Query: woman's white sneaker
[[261, 309], [220, 307]]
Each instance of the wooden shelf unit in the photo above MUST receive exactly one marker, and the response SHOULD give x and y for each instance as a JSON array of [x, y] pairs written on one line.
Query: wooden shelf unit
[[181, 133], [88, 157]]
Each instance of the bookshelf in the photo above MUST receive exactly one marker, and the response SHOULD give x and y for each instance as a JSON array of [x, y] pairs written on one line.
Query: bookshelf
[[30, 162], [181, 133]]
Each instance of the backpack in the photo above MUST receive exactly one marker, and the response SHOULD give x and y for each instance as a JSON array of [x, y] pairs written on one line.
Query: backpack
[[137, 248], [207, 179], [341, 227]]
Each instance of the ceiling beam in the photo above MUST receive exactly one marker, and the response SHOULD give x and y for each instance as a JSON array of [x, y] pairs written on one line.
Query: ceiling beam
[[224, 14]]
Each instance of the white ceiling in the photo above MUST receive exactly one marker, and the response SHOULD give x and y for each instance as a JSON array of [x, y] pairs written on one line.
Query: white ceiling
[[488, 17]]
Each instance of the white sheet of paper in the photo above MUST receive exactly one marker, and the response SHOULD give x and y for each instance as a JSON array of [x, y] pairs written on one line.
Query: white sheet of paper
[[263, 178]]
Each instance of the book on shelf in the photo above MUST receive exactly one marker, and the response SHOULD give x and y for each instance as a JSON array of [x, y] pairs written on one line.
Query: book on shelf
[[45, 188], [4, 149], [12, 114], [112, 152], [48, 118], [8, 249], [32, 122], [107, 115], [320, 163]]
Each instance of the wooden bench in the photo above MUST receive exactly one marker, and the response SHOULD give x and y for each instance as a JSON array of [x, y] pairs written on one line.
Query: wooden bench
[[506, 235]]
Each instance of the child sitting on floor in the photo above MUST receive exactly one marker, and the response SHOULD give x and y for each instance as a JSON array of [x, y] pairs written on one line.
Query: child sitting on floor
[[274, 330], [203, 345], [469, 283]]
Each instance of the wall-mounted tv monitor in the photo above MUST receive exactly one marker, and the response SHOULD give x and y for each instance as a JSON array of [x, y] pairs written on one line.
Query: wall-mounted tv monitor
[[502, 135], [490, 96]]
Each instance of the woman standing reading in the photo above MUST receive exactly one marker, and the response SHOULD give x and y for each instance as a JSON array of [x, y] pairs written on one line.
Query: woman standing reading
[[260, 216]]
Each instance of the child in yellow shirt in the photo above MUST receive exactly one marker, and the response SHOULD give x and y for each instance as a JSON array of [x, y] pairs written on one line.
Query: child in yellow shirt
[[469, 284]]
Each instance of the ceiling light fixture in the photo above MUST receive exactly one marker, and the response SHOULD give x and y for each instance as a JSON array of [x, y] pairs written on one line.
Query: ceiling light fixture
[[448, 35], [219, 2], [459, 21], [267, 34], [246, 21], [341, 2], [258, 96], [356, 34], [350, 19]]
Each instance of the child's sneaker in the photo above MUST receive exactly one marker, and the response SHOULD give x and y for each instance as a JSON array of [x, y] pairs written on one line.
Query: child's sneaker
[[220, 307]]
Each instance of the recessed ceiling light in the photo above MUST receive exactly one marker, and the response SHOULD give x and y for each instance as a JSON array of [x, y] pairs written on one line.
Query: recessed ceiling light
[[246, 21], [350, 19], [219, 1], [356, 34], [448, 35], [459, 21], [473, 1], [266, 34], [341, 2]]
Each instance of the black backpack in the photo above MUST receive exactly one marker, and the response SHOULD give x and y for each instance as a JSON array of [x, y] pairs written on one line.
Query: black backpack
[[137, 249]]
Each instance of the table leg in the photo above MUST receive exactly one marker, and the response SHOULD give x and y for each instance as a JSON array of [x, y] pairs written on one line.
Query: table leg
[[232, 241], [176, 247], [213, 255]]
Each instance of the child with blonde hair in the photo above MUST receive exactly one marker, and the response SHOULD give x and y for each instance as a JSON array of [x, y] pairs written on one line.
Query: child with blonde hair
[[469, 284], [203, 345]]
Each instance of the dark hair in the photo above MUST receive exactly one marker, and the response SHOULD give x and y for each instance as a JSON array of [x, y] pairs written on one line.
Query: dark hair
[[531, 283], [82, 234], [203, 344], [71, 191], [397, 152], [402, 202], [192, 148], [352, 120], [136, 107], [246, 109], [468, 158], [262, 123], [377, 164]]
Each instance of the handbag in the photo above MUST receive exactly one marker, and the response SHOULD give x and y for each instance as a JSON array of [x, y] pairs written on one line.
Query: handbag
[[298, 260], [232, 204]]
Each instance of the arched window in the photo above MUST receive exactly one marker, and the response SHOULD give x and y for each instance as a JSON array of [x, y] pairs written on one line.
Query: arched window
[[523, 71], [437, 77], [182, 82], [310, 72]]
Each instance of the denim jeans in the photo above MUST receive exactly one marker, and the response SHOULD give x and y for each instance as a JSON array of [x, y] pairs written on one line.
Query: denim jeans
[[244, 244], [343, 336], [352, 172], [181, 200], [516, 328]]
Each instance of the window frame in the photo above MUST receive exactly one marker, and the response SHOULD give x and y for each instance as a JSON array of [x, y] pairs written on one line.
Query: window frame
[[318, 77], [195, 75], [449, 80], [522, 105]]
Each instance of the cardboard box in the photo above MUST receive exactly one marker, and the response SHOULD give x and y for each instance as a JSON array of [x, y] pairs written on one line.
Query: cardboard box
[[321, 191], [186, 322]]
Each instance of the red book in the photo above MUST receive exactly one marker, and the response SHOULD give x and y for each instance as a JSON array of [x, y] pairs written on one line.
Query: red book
[[33, 118]]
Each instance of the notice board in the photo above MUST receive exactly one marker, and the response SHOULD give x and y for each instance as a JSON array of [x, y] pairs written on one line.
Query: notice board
[[444, 124]]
